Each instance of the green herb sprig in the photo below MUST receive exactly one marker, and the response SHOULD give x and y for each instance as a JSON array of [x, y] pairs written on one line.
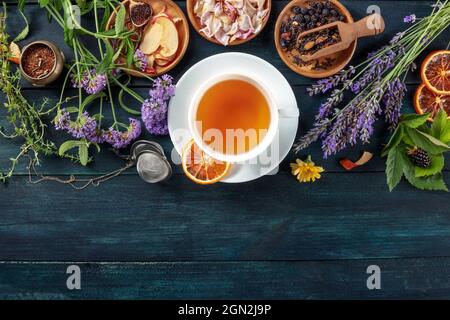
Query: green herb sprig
[[26, 119], [411, 132]]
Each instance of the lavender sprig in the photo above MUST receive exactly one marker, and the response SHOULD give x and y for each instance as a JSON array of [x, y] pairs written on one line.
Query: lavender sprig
[[376, 85], [323, 85]]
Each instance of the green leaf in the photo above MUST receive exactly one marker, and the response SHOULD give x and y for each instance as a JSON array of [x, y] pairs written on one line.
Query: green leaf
[[89, 99], [83, 153], [414, 120], [426, 141], [71, 109], [395, 139], [436, 166], [434, 182], [69, 144], [439, 122], [106, 15], [120, 19], [43, 3], [107, 58], [394, 168], [130, 53], [24, 33]]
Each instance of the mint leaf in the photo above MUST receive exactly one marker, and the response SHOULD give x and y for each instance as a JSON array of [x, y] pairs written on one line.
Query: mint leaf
[[120, 19], [83, 153], [434, 182], [426, 141], [414, 120], [436, 166], [394, 168], [395, 139], [69, 144]]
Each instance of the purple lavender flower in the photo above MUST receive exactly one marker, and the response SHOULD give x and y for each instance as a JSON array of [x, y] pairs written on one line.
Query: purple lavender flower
[[93, 82], [140, 60], [318, 130], [328, 106], [323, 85], [397, 38], [392, 100], [410, 19], [378, 66], [118, 139]]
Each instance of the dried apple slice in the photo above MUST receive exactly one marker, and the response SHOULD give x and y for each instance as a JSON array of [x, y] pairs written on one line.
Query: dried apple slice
[[169, 40], [153, 36]]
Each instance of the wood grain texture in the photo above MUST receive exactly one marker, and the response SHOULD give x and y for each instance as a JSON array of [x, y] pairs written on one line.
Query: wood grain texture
[[342, 216], [272, 238], [406, 278]]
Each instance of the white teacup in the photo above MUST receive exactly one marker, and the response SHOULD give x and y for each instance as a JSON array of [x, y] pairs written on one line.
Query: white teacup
[[263, 144]]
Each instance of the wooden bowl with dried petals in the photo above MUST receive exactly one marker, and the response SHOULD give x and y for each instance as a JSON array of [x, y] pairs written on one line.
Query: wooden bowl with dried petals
[[196, 23]]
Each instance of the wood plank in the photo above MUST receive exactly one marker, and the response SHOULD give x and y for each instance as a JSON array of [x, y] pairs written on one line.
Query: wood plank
[[261, 46], [106, 161], [400, 279], [341, 216]]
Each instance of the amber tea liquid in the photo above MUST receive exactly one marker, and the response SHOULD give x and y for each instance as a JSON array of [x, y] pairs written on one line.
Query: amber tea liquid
[[237, 105]]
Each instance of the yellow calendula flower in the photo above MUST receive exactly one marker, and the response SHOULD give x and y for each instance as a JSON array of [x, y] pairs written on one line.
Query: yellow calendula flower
[[306, 171]]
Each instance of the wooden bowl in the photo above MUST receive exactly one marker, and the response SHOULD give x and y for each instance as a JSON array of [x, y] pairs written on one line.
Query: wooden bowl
[[341, 59], [182, 28], [197, 26]]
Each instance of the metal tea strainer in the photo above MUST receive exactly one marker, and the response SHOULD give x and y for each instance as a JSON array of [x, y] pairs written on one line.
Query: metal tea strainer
[[148, 157], [151, 163]]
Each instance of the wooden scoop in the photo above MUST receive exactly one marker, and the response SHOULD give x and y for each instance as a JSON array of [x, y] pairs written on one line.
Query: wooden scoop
[[349, 32]]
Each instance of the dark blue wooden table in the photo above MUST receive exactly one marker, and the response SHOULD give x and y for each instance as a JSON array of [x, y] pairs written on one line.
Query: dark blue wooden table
[[270, 238]]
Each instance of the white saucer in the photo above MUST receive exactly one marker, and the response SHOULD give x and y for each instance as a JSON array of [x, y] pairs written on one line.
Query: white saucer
[[249, 65]]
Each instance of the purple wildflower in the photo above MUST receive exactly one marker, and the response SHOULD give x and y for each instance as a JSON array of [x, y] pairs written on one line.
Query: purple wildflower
[[410, 19], [118, 139], [318, 130], [397, 38], [154, 116], [84, 128], [154, 109], [379, 65], [392, 100], [93, 82], [163, 88], [328, 106], [140, 60], [323, 85]]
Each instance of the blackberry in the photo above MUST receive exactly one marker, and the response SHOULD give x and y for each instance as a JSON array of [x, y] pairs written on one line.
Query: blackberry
[[419, 157], [296, 10]]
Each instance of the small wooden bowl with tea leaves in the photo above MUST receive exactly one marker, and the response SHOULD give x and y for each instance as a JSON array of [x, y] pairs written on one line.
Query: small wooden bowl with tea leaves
[[240, 21], [302, 15], [160, 32]]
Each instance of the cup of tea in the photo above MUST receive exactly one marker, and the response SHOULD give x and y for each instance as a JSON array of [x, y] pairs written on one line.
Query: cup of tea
[[233, 118]]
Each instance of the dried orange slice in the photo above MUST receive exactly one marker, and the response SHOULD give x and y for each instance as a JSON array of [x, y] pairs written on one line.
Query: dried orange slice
[[435, 72], [15, 53], [426, 100], [201, 168]]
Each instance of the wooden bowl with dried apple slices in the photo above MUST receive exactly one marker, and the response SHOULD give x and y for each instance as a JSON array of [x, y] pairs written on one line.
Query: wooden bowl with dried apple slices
[[159, 44], [195, 21]]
